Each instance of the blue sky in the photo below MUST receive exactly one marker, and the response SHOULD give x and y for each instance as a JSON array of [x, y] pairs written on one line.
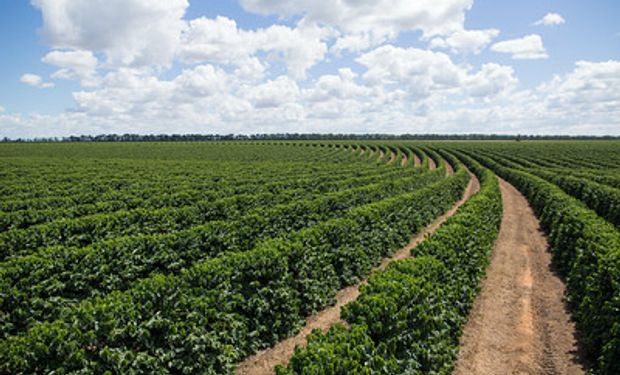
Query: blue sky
[[177, 66]]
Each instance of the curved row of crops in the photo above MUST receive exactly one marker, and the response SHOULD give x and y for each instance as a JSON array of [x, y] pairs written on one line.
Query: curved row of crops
[[188, 257], [585, 246], [409, 317], [198, 288]]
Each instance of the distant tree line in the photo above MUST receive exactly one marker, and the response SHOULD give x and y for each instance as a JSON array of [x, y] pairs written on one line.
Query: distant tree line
[[297, 137]]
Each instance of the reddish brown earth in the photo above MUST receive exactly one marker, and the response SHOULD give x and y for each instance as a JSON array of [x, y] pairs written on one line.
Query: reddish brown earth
[[519, 324], [403, 162], [381, 154], [416, 161], [264, 361], [431, 164], [449, 169]]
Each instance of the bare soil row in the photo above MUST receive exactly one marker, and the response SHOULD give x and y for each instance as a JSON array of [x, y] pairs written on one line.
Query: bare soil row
[[264, 361]]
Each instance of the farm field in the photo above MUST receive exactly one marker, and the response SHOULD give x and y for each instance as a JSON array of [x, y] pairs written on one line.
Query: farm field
[[310, 257]]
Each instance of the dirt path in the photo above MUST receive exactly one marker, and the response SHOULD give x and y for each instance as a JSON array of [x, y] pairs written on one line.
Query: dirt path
[[431, 164], [264, 361], [519, 324], [416, 160], [449, 169], [392, 157], [404, 160]]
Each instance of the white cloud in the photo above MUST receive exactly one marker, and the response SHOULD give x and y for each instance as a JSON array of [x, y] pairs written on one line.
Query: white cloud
[[219, 40], [250, 69], [584, 101], [35, 80], [528, 47], [129, 32], [231, 79], [590, 87], [429, 78], [75, 60], [491, 80], [127, 92], [356, 42], [341, 86], [216, 40], [414, 84], [271, 94], [466, 41], [367, 24], [550, 19], [385, 17], [422, 71], [2, 109], [201, 81], [78, 65]]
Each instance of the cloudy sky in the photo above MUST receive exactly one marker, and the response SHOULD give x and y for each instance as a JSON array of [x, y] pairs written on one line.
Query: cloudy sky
[[264, 66]]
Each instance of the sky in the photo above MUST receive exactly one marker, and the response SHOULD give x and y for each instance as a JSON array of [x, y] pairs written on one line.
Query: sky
[[72, 67]]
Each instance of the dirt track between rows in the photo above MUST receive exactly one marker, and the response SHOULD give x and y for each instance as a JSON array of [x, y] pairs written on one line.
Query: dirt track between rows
[[519, 324], [392, 157], [416, 161], [449, 169], [431, 164], [263, 362]]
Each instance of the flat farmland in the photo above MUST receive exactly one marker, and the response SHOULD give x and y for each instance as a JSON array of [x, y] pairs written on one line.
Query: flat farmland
[[310, 257]]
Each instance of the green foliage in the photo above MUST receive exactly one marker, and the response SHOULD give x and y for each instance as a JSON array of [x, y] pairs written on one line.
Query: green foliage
[[65, 275], [210, 312], [605, 200], [187, 257], [586, 250], [408, 318]]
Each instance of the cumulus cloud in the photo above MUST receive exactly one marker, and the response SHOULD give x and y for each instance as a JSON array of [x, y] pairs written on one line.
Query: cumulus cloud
[[337, 97], [233, 79], [357, 42], [129, 32], [75, 65], [201, 81], [421, 71], [590, 87], [219, 40], [438, 17], [126, 92], [426, 73], [250, 69], [583, 101], [35, 80], [271, 94], [528, 47], [340, 86], [412, 81], [466, 41], [491, 80], [2, 109], [75, 60], [550, 19], [367, 24]]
